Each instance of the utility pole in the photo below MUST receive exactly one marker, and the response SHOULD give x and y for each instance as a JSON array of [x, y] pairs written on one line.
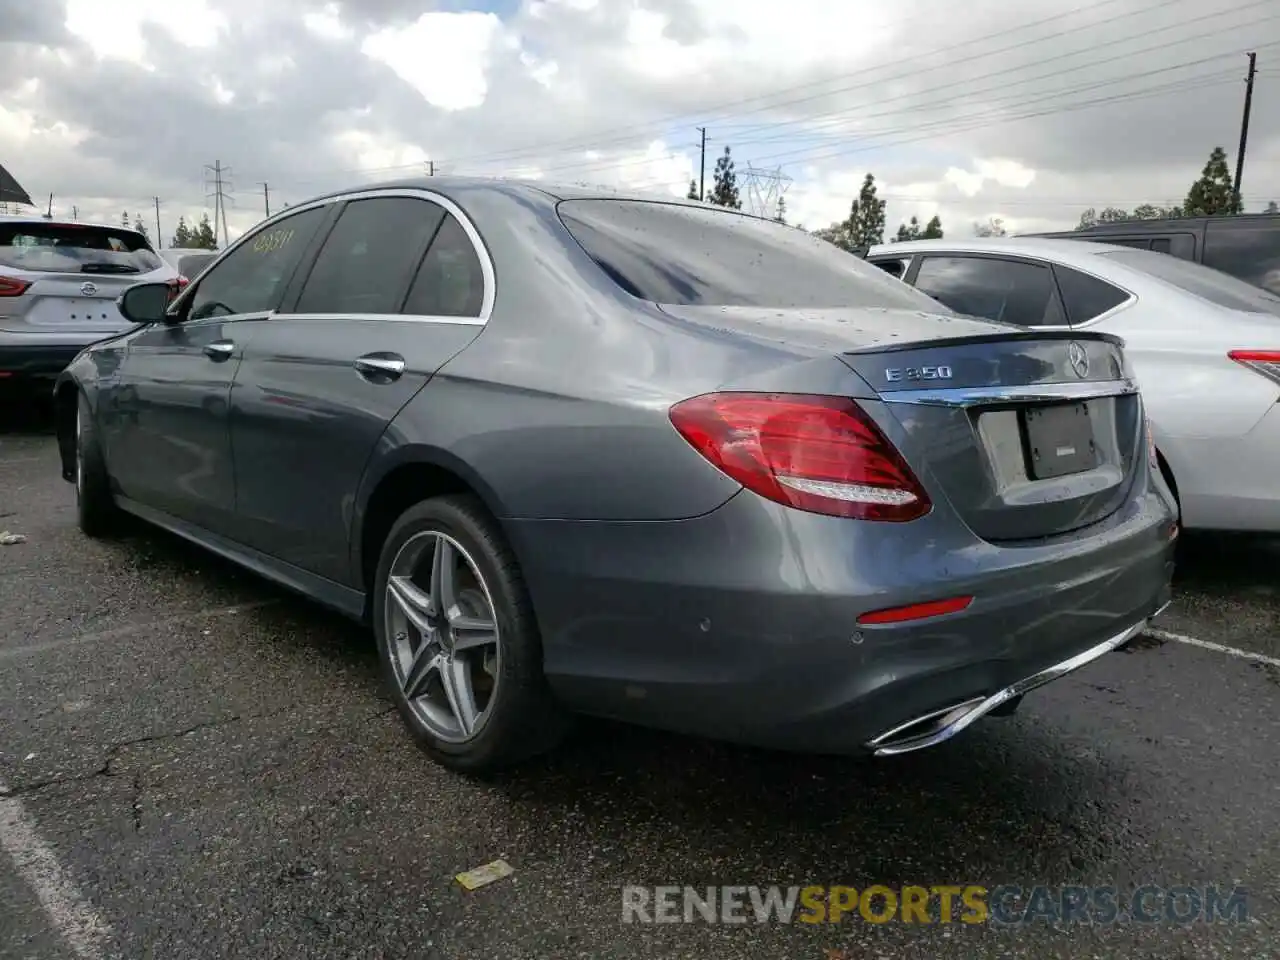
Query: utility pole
[[49, 214], [1244, 125], [159, 236], [220, 187], [702, 167], [75, 213], [266, 198], [431, 168]]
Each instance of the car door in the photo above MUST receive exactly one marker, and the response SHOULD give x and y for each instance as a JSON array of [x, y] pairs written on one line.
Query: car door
[[1004, 289], [396, 290], [168, 445]]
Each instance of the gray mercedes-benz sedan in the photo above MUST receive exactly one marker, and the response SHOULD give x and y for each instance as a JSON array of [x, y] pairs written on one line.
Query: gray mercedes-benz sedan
[[571, 452]]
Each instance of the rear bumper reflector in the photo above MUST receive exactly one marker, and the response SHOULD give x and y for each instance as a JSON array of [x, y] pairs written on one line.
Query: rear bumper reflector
[[915, 611]]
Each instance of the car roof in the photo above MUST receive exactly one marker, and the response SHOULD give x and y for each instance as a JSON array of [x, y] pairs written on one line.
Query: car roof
[[1065, 251], [446, 185], [58, 222]]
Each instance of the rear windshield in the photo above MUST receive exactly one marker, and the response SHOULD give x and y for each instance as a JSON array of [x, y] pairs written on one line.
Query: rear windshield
[[1204, 282], [694, 256], [69, 248]]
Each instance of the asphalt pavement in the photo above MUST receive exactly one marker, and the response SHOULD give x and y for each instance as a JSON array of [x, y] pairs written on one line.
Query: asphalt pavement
[[196, 764]]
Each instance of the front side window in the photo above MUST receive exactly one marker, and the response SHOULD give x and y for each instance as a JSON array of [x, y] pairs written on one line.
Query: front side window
[[252, 278], [1008, 291], [73, 248], [368, 258], [709, 256]]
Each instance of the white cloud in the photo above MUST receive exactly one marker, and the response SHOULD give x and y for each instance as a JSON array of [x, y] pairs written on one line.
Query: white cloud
[[114, 29], [327, 23], [444, 56]]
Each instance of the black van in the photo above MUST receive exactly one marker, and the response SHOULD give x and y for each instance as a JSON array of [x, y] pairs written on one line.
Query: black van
[[1246, 246]]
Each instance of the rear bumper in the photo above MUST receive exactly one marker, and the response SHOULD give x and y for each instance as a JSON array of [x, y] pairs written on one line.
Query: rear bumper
[[742, 624], [32, 360]]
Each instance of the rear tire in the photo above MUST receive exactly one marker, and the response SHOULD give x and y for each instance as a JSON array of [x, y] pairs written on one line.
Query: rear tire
[[434, 646], [96, 511]]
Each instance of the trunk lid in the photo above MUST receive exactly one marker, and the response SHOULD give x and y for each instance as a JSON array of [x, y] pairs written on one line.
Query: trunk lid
[[1028, 434], [73, 303]]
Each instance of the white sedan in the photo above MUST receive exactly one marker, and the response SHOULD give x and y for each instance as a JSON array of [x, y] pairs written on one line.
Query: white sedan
[[1205, 348]]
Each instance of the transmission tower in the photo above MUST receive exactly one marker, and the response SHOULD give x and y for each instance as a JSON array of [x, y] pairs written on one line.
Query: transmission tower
[[221, 187], [764, 190]]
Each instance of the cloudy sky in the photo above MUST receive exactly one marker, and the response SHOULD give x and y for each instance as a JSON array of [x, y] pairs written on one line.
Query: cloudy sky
[[1030, 112]]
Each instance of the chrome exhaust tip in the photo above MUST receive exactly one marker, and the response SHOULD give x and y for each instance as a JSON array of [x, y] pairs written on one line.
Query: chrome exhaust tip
[[938, 726]]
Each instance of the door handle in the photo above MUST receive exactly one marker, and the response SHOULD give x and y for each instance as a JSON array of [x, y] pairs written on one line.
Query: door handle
[[219, 350], [380, 367]]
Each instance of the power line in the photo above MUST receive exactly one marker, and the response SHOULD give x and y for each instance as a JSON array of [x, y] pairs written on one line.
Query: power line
[[876, 71]]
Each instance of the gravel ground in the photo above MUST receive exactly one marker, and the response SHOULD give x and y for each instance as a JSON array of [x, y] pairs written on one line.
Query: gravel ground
[[195, 764]]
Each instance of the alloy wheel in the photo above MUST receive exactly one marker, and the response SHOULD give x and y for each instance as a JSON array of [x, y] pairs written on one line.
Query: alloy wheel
[[443, 638]]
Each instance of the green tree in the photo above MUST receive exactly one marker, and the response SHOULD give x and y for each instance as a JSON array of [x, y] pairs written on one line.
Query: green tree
[[725, 191], [908, 231], [932, 229], [693, 191], [140, 226], [781, 216], [182, 234], [866, 216], [1212, 194], [124, 220], [203, 237], [994, 227], [1113, 215]]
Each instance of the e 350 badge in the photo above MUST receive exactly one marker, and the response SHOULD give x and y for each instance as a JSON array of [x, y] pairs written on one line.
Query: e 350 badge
[[896, 374]]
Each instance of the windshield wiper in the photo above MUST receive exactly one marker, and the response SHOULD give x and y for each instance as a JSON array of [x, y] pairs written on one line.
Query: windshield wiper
[[108, 268]]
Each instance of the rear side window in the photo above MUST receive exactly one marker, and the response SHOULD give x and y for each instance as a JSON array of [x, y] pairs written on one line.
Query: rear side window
[[450, 282], [1213, 285], [1086, 297], [1248, 249], [694, 256], [894, 268], [252, 277], [71, 248], [1009, 291], [1162, 245], [368, 258]]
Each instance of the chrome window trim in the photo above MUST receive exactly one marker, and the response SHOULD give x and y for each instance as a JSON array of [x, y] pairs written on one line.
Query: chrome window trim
[[394, 317], [972, 396], [415, 193], [1130, 297]]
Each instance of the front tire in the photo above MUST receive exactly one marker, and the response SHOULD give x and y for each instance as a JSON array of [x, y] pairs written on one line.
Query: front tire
[[458, 641], [96, 511]]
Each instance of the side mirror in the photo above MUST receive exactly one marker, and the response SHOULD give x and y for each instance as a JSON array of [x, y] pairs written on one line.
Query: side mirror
[[145, 302]]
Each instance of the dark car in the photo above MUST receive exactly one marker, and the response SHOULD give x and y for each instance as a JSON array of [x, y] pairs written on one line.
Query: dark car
[[569, 451], [1246, 246]]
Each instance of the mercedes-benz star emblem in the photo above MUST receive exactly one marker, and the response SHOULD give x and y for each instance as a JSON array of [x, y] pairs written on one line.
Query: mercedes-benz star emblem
[[1079, 359], [88, 289]]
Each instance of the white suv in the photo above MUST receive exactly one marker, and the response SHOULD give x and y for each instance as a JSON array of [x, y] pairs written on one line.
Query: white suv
[[59, 282]]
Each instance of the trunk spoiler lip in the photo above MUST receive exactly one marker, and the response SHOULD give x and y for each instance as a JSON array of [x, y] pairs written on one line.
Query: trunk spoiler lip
[[1018, 336]]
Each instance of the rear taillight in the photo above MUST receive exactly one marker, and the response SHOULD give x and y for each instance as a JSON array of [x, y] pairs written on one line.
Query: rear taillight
[[12, 287], [816, 453], [1265, 362]]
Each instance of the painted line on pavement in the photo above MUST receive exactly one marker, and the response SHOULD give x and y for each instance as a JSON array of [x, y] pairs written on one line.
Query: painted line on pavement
[[1210, 645], [71, 915]]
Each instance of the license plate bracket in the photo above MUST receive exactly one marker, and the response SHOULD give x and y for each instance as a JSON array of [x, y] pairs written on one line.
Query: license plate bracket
[[1058, 440]]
